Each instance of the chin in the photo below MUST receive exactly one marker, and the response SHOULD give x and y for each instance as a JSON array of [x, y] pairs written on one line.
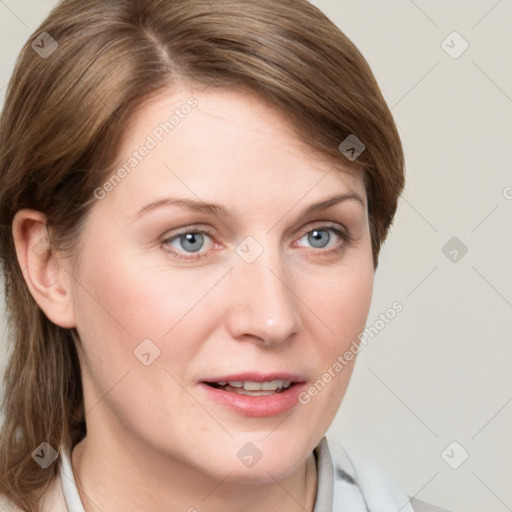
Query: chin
[[261, 473], [263, 461]]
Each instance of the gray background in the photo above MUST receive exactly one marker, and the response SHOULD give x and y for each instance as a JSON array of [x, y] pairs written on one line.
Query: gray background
[[433, 386]]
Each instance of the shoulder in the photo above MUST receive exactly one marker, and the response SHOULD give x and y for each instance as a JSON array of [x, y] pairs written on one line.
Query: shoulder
[[422, 506], [368, 485]]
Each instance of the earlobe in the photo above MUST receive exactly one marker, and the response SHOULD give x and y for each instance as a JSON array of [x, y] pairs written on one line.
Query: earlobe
[[45, 275]]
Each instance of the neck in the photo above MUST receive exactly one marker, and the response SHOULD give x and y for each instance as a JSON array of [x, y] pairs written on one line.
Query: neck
[[110, 477]]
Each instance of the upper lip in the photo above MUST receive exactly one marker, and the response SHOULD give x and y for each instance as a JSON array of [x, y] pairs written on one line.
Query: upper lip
[[256, 377]]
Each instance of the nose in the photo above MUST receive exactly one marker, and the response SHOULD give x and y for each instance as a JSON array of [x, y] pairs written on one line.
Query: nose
[[263, 305]]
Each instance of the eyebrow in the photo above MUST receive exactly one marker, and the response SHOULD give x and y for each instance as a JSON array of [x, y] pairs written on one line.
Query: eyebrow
[[222, 212]]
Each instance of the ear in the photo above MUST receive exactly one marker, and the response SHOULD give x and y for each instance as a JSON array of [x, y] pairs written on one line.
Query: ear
[[46, 276]]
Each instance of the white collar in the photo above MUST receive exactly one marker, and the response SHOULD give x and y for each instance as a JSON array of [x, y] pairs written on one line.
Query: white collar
[[67, 478]]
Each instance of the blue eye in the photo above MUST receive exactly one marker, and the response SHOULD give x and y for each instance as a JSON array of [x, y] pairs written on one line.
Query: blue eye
[[320, 238], [187, 242], [190, 245], [191, 241]]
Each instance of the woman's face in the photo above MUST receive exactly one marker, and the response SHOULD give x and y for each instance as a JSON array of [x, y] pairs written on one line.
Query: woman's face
[[170, 291]]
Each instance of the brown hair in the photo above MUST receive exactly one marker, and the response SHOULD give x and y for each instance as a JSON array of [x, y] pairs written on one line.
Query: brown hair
[[62, 124]]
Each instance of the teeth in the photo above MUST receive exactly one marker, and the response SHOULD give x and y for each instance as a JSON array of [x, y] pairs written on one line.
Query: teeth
[[266, 386], [258, 386]]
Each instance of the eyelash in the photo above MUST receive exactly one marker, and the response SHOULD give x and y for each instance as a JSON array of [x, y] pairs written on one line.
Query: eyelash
[[344, 235]]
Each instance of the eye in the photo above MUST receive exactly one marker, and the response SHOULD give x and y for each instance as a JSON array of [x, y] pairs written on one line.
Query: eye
[[191, 242], [188, 242], [325, 237], [319, 238]]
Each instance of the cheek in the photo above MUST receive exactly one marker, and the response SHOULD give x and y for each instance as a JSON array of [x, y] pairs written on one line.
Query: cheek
[[341, 301], [350, 310], [120, 302], [119, 307]]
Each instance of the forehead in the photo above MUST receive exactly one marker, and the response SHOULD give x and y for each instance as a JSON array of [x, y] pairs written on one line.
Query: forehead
[[225, 144]]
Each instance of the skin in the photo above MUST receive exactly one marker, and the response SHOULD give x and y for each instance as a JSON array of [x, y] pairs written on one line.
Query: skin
[[155, 441]]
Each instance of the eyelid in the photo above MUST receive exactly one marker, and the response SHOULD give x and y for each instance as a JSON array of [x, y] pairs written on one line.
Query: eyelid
[[191, 228], [339, 229]]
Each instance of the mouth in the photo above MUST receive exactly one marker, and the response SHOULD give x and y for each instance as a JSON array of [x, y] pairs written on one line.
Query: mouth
[[255, 394], [252, 388]]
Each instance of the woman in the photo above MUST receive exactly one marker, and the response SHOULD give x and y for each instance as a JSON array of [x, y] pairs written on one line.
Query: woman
[[194, 195]]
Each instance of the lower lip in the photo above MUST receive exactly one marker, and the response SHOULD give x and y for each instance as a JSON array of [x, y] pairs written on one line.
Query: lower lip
[[260, 406]]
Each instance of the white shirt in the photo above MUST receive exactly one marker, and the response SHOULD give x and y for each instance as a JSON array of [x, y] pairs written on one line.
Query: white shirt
[[342, 486]]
